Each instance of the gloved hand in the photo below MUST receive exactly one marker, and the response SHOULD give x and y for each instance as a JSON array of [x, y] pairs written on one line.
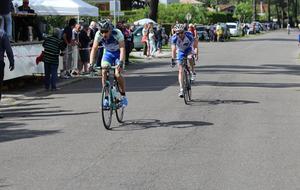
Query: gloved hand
[[11, 66], [121, 64], [173, 62]]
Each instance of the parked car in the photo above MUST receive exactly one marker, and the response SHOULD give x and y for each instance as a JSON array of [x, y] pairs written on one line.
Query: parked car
[[137, 37], [234, 28], [202, 33]]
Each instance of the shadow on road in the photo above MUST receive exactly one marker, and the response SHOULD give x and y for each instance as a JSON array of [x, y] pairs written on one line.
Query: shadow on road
[[266, 40], [241, 69], [10, 131], [246, 84], [199, 102], [142, 124], [133, 84]]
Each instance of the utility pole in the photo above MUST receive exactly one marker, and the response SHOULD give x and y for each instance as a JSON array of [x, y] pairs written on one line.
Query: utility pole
[[288, 12]]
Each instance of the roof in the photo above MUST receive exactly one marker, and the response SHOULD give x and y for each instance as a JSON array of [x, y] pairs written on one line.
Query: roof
[[225, 7]]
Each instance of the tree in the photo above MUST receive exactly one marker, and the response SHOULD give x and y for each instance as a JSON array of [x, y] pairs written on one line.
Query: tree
[[244, 12], [153, 4]]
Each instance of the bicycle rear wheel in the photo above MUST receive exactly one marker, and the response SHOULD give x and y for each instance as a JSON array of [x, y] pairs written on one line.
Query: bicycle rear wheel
[[106, 111], [184, 86], [119, 107]]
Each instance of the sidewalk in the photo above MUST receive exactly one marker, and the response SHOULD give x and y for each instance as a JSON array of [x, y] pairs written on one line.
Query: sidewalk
[[16, 98]]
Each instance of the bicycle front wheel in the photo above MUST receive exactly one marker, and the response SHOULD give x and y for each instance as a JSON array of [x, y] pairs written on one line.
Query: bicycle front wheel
[[189, 86], [106, 110]]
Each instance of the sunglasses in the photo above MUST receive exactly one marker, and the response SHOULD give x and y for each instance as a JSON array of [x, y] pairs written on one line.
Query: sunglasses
[[103, 31], [178, 33]]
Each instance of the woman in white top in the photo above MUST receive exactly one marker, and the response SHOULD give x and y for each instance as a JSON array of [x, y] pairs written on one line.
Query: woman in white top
[[152, 42]]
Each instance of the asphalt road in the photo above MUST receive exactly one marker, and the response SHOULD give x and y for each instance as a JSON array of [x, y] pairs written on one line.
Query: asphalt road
[[241, 132]]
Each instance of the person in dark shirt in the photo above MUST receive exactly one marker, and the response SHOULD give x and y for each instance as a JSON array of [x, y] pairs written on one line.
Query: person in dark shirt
[[53, 45], [93, 30], [25, 7], [69, 43], [84, 42], [6, 7], [22, 23], [5, 47], [159, 39]]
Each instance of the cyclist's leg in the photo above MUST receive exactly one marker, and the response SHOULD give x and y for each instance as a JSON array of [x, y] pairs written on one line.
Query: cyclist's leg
[[105, 64], [118, 75], [180, 57]]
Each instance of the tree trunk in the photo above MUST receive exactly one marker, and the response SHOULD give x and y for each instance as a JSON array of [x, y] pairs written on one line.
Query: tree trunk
[[269, 10], [153, 4], [282, 16], [296, 11], [254, 10], [278, 14]]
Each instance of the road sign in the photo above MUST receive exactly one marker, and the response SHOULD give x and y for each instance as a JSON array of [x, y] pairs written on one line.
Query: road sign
[[188, 16]]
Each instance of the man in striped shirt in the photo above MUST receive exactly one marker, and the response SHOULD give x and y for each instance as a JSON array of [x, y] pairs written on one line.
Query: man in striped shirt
[[53, 46]]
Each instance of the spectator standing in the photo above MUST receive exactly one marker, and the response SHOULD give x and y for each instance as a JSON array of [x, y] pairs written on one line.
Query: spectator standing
[[84, 44], [145, 38], [76, 56], [6, 7], [53, 46], [93, 30], [23, 23], [128, 42], [152, 41], [159, 38], [69, 43], [5, 47]]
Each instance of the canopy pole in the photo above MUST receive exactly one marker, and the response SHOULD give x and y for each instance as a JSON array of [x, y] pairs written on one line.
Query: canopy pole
[[78, 19]]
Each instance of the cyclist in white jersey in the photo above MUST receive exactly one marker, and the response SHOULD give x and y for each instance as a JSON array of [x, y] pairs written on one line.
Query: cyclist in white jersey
[[182, 44], [114, 55]]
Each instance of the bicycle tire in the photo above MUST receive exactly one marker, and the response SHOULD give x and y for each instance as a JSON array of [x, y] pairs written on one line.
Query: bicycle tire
[[119, 109], [106, 113], [189, 87]]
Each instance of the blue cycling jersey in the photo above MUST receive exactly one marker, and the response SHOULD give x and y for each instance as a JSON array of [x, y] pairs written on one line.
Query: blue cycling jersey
[[183, 44], [111, 44]]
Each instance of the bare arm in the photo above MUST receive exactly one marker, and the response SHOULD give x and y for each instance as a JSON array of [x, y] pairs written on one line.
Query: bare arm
[[94, 52], [173, 51], [122, 51]]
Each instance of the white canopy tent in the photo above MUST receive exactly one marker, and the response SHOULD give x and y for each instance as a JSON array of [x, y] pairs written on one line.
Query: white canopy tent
[[61, 7]]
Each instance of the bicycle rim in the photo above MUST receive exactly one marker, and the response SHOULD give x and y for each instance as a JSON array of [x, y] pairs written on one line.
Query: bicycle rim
[[106, 112]]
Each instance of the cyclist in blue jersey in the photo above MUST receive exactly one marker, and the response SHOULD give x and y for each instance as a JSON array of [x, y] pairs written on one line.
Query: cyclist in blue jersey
[[182, 44], [114, 55]]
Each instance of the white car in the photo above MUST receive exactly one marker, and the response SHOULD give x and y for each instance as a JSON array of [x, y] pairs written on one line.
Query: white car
[[234, 28]]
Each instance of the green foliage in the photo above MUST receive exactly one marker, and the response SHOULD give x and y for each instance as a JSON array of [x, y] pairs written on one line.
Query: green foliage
[[215, 17], [176, 11], [244, 11]]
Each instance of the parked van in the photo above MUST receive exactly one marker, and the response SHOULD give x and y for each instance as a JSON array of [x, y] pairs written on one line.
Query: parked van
[[234, 28]]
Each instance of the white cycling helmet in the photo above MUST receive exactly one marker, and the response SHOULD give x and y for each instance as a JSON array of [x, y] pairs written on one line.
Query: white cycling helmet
[[179, 28], [105, 24]]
